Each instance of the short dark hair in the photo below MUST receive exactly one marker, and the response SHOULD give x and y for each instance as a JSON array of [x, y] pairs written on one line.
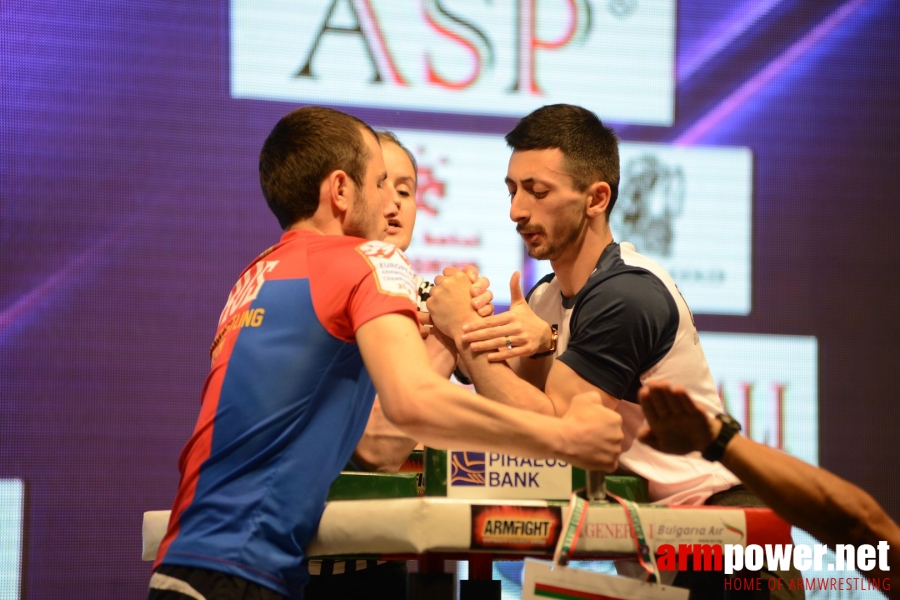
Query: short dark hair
[[591, 149], [304, 147], [388, 136]]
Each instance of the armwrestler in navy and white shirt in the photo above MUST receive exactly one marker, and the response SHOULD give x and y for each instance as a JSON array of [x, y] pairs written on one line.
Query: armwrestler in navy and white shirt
[[620, 319], [626, 325]]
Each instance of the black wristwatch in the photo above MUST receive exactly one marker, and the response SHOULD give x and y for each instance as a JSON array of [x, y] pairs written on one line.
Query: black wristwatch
[[716, 449]]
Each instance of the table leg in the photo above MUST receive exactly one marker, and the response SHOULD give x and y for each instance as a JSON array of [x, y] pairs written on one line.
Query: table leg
[[480, 585], [430, 583]]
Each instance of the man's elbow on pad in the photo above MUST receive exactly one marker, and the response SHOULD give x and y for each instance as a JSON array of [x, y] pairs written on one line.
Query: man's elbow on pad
[[405, 405]]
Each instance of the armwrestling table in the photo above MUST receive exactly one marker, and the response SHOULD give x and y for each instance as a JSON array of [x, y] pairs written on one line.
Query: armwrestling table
[[432, 530]]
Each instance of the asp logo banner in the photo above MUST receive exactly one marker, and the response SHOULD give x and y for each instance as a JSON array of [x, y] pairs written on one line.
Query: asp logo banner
[[503, 57]]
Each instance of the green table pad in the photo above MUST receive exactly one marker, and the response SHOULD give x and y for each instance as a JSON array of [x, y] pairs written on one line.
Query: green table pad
[[370, 486]]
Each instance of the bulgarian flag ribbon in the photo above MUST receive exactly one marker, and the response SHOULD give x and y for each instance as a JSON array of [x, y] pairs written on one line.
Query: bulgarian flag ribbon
[[645, 554], [554, 579], [571, 530]]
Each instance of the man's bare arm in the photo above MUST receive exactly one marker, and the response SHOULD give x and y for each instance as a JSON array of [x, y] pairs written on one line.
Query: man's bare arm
[[543, 385], [833, 510], [830, 508], [383, 447], [438, 413]]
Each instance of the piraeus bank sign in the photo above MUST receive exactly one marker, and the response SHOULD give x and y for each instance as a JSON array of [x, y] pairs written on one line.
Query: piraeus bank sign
[[502, 57], [494, 475]]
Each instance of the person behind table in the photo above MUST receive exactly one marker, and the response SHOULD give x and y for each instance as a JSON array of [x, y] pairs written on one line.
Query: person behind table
[[383, 447], [605, 319], [297, 353], [831, 509]]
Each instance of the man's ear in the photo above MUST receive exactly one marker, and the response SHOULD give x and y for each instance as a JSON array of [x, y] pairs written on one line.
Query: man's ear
[[599, 194], [335, 191]]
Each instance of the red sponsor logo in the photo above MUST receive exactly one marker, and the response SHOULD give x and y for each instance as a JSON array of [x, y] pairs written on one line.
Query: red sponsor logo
[[515, 527]]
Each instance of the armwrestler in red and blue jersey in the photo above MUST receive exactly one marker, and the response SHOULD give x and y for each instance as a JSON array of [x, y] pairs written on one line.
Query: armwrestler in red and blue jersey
[[283, 407], [289, 391]]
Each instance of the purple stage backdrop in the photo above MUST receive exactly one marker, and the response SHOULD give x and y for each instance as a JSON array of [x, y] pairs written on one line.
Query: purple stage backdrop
[[129, 203]]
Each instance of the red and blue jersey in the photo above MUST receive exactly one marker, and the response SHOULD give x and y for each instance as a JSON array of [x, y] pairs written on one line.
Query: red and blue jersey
[[284, 405]]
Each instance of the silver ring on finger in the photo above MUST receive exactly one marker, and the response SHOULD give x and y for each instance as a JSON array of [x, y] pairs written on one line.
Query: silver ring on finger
[[509, 345]]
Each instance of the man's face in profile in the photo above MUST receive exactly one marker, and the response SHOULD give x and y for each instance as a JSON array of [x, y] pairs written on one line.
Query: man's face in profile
[[548, 210], [367, 217]]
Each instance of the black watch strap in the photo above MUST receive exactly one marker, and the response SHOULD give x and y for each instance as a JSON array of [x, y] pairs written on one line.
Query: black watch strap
[[729, 429]]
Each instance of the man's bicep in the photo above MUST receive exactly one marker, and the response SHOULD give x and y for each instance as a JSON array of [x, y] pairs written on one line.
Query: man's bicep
[[564, 383], [394, 355]]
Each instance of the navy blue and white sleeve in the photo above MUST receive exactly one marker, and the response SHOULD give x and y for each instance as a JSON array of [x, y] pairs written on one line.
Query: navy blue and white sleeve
[[618, 330]]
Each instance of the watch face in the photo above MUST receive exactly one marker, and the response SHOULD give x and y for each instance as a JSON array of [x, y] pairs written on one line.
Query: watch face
[[729, 421]]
